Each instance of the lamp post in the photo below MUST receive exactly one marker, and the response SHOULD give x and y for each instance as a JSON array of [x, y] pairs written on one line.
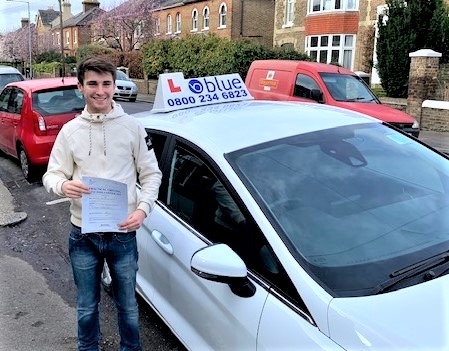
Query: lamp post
[[61, 38], [29, 35]]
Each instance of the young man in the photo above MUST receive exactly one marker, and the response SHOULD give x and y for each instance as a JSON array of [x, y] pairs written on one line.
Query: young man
[[104, 142]]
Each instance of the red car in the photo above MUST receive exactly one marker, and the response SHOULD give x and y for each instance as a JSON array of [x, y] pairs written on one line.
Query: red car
[[32, 113]]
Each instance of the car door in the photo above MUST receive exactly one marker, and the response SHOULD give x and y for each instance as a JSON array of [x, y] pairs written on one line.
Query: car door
[[204, 314], [11, 108]]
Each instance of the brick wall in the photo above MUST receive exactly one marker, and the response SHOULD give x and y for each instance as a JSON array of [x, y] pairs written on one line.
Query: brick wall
[[435, 119]]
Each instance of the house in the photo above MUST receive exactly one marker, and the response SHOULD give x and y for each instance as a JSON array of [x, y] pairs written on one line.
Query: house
[[253, 19], [76, 28], [337, 31]]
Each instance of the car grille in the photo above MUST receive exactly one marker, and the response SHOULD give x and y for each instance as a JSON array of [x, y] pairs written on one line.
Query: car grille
[[123, 88], [402, 125]]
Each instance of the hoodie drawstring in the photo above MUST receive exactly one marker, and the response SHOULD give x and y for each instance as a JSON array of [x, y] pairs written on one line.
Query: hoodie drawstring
[[90, 138]]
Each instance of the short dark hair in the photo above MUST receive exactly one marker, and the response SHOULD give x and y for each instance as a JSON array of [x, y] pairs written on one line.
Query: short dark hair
[[95, 64]]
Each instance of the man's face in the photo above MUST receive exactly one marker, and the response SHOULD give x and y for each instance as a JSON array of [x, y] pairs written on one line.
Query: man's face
[[98, 90]]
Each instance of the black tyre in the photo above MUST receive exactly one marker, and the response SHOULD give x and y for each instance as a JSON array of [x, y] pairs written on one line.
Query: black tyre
[[28, 170]]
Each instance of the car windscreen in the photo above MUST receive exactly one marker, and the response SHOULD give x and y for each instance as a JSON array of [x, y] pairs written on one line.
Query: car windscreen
[[58, 101], [353, 204], [348, 88], [6, 78], [121, 76]]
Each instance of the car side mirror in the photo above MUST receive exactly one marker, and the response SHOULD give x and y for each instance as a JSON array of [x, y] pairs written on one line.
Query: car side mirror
[[317, 95], [219, 263]]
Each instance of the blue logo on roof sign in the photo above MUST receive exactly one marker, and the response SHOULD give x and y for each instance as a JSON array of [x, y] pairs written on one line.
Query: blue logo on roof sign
[[175, 93], [195, 86]]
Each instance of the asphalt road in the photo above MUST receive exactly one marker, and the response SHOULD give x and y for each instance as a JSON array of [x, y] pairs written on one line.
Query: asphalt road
[[37, 293]]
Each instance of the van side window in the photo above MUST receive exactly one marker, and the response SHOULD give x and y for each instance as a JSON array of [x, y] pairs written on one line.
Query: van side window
[[304, 86]]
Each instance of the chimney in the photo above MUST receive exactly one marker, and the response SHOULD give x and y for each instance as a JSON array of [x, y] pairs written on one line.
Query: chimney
[[66, 10], [24, 22], [90, 4]]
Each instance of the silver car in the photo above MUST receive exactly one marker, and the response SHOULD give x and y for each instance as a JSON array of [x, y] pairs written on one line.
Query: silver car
[[125, 87], [9, 74]]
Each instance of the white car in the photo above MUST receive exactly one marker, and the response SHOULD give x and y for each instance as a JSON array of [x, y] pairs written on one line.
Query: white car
[[292, 226], [125, 88]]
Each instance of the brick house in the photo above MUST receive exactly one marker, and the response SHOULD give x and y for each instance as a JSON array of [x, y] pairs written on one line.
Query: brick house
[[226, 18], [76, 28], [340, 31]]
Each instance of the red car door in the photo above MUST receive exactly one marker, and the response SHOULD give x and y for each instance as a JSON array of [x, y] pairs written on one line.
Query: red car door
[[11, 120]]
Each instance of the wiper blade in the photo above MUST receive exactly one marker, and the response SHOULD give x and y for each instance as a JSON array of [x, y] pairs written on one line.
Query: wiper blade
[[412, 270]]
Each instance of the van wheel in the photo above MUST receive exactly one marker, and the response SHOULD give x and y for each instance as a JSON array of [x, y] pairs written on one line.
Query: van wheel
[[28, 169]]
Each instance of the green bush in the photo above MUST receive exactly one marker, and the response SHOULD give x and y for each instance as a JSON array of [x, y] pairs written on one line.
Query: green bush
[[91, 50], [207, 55]]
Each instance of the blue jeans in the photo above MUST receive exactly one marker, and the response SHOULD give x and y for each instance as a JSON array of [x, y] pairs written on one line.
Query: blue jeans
[[87, 254]]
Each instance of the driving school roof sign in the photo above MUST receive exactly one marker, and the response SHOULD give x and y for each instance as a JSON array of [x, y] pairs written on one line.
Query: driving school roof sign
[[176, 93]]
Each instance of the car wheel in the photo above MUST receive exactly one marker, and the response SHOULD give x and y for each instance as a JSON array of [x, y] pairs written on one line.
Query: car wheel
[[28, 169], [106, 279], [132, 100]]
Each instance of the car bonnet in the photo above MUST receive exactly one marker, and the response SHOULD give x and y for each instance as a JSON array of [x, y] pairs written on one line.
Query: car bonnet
[[412, 318]]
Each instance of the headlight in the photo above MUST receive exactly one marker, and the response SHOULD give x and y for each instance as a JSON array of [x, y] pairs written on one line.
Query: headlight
[[415, 124]]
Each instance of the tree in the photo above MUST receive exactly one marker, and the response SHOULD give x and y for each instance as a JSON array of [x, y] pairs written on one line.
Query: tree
[[126, 26], [406, 27], [17, 44]]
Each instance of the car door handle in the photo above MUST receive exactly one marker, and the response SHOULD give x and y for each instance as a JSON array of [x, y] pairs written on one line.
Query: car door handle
[[162, 241]]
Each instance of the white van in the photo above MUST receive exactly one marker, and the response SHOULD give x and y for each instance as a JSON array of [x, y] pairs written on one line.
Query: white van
[[9, 74]]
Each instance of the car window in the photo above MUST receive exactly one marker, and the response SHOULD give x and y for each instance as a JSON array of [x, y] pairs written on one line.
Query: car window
[[4, 99], [305, 86], [58, 101], [9, 78], [121, 75], [203, 200], [16, 101], [158, 142], [354, 203], [347, 87]]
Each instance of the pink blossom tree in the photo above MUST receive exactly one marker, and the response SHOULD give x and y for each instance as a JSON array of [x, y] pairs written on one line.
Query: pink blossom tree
[[16, 44], [127, 25]]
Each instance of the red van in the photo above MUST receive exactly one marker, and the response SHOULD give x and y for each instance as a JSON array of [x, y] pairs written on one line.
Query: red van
[[322, 83]]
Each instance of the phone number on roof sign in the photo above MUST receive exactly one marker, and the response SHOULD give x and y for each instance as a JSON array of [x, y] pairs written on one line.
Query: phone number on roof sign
[[205, 98]]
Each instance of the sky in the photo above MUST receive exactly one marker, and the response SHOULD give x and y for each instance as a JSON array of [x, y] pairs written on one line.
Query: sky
[[12, 12]]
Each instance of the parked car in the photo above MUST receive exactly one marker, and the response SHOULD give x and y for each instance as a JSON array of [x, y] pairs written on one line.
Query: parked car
[[292, 226], [125, 87], [323, 83], [31, 114], [9, 74]]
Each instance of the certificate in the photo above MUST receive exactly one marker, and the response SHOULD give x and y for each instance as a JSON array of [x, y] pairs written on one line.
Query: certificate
[[105, 207]]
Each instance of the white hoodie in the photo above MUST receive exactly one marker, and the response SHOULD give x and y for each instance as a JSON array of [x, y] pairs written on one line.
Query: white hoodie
[[112, 146]]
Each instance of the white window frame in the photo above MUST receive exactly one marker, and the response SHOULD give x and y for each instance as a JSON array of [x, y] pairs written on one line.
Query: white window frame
[[67, 38], [345, 48], [222, 12], [75, 36], [58, 38], [194, 20], [289, 13], [206, 18], [178, 23], [169, 25], [157, 26], [317, 6]]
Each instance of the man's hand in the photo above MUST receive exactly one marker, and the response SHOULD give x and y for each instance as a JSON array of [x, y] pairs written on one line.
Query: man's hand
[[134, 221], [74, 189]]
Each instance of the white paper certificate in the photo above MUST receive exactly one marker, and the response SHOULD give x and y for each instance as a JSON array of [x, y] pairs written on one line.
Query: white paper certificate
[[105, 207]]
